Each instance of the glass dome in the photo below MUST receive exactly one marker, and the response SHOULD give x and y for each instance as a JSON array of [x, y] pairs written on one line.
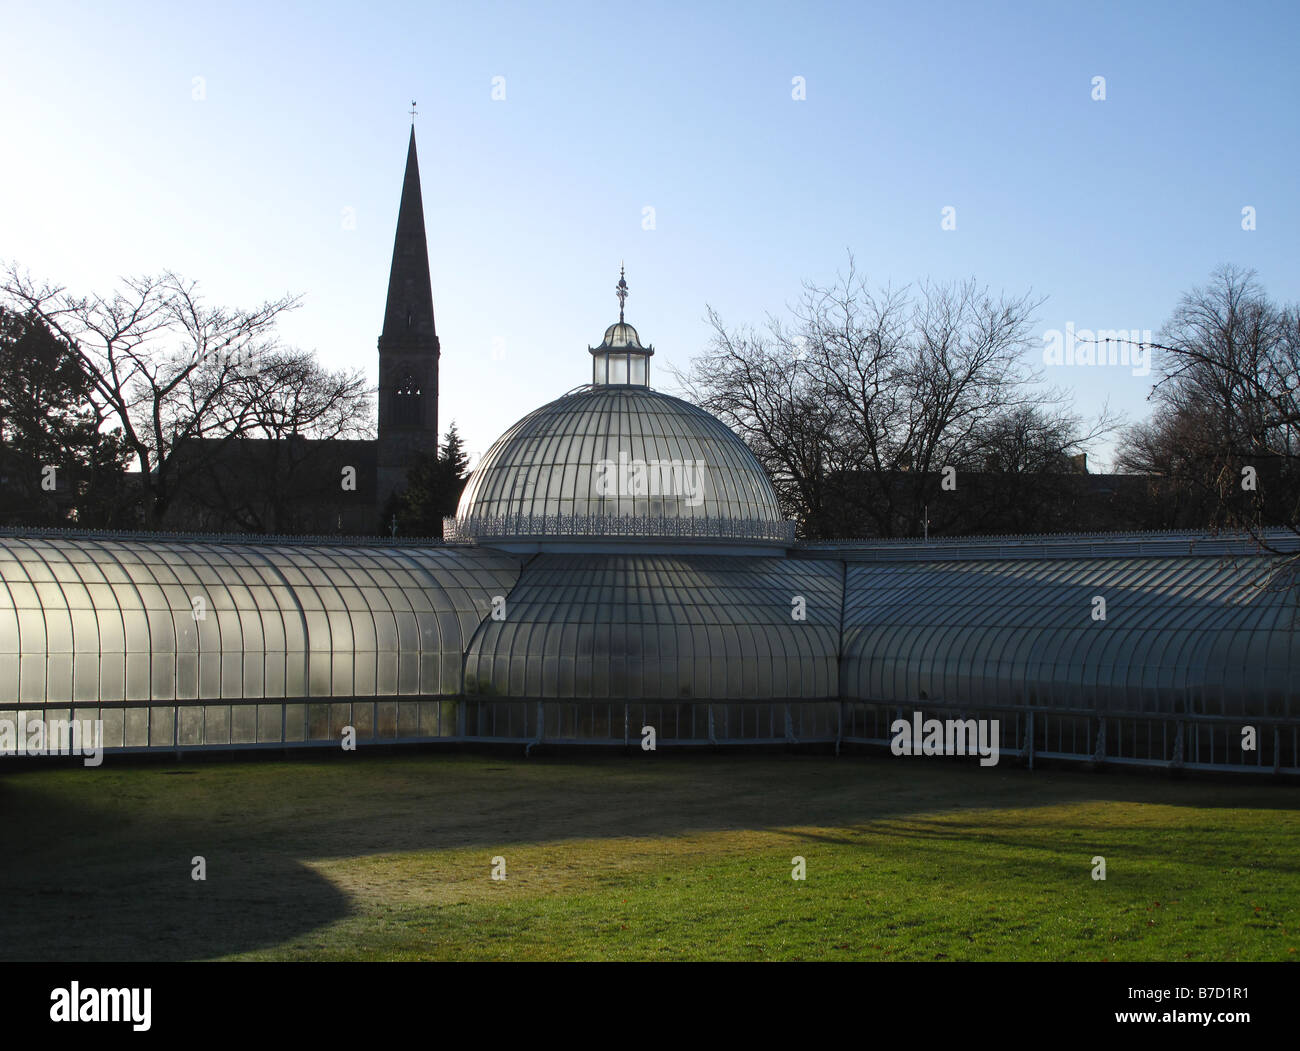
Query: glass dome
[[621, 334], [620, 460], [617, 459]]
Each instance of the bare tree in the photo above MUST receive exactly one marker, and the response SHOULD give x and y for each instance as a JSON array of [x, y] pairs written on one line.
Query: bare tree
[[1025, 472], [290, 394], [871, 389], [1225, 435], [182, 379], [757, 384], [301, 412], [1034, 440]]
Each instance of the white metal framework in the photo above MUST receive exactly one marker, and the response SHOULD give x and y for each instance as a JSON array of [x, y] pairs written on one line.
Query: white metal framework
[[183, 643]]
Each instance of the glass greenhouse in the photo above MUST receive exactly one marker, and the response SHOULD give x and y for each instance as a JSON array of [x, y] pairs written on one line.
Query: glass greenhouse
[[177, 643], [619, 561]]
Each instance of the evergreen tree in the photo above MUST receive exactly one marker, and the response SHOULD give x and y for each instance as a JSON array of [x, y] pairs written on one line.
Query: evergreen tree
[[433, 487], [48, 420], [453, 454]]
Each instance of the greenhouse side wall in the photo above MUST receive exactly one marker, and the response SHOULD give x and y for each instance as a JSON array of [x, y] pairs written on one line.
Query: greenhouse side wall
[[180, 645]]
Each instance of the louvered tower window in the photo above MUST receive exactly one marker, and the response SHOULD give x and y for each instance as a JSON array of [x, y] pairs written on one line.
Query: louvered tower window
[[407, 402]]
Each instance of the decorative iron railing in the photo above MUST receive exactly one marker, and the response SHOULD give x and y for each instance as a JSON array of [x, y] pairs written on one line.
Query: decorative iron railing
[[1023, 733], [1180, 542], [480, 527], [198, 537]]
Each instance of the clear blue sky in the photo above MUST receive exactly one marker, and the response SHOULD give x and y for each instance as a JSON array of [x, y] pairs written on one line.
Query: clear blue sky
[[1109, 209]]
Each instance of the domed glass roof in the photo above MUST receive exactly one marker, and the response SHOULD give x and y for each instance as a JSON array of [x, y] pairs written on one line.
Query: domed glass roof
[[605, 453], [618, 459], [620, 334]]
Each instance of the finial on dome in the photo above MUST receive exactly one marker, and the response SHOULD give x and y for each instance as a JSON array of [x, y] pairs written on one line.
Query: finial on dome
[[621, 359]]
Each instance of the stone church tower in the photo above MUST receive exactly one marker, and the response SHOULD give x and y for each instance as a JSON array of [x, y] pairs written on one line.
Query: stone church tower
[[408, 346]]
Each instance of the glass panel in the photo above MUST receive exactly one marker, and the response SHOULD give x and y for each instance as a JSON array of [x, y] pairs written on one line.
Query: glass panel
[[250, 625], [408, 676], [243, 724], [191, 726], [136, 731], [438, 676], [272, 629], [209, 684], [364, 674], [137, 676], [318, 722], [295, 675], [268, 722], [8, 676], [618, 368], [380, 633], [253, 669], [114, 720], [31, 624], [216, 724], [294, 722], [112, 676], [8, 630], [58, 678], [137, 631], [58, 627], [342, 684], [85, 677], [162, 631], [386, 674], [319, 675], [232, 675], [161, 721], [363, 718], [273, 684]]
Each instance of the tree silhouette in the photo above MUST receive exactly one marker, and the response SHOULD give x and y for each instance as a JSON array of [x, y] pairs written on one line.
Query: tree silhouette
[[433, 487]]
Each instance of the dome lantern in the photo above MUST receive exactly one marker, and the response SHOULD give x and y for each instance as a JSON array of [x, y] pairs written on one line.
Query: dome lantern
[[621, 360]]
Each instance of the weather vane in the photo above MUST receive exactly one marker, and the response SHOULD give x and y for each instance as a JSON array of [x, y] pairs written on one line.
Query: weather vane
[[621, 292], [413, 111]]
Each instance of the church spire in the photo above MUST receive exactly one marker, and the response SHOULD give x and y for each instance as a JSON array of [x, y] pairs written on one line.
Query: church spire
[[408, 315], [408, 346]]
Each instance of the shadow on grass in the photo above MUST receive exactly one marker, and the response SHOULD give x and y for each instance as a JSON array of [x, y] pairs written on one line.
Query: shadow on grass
[[98, 861], [83, 881]]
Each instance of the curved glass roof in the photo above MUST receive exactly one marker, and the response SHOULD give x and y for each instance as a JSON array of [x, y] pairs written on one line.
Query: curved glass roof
[[648, 627], [1187, 634], [88, 620], [621, 335], [607, 452]]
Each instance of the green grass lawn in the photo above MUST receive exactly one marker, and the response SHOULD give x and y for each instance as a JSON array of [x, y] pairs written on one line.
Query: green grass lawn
[[670, 857]]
